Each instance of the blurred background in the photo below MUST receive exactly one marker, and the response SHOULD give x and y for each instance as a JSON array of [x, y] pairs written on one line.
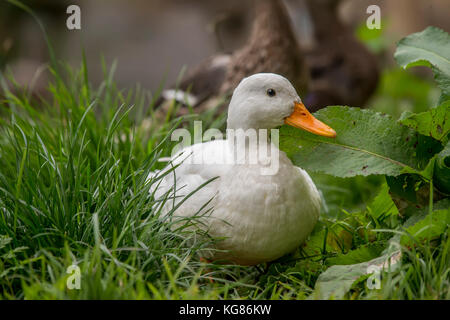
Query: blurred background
[[153, 40]]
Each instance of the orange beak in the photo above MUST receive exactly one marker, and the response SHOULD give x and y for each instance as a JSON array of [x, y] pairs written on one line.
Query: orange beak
[[302, 119]]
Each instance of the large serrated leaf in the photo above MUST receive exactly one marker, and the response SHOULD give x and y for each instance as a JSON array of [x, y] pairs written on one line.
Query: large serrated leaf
[[431, 47], [367, 143], [434, 123]]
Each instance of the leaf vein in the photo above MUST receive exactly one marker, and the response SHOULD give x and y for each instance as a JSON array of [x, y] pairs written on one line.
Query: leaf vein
[[358, 149]]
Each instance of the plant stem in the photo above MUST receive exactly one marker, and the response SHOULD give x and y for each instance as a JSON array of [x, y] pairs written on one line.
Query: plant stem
[[430, 205]]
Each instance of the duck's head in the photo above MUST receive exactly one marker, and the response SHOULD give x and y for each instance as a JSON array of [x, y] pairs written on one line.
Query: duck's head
[[267, 101]]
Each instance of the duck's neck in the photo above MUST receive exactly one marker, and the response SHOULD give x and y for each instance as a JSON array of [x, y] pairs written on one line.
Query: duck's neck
[[270, 23]]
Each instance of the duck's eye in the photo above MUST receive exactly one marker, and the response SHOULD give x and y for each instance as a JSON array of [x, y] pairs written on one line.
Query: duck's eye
[[271, 92]]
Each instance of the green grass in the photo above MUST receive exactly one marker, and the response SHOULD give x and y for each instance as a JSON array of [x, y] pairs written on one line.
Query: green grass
[[73, 190]]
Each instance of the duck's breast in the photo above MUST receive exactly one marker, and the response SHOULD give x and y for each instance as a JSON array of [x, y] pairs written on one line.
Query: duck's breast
[[266, 216]]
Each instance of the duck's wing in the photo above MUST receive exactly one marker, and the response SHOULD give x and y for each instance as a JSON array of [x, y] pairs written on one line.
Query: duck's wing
[[193, 172], [314, 193]]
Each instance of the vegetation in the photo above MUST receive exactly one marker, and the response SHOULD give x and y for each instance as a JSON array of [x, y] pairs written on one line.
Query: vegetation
[[73, 190]]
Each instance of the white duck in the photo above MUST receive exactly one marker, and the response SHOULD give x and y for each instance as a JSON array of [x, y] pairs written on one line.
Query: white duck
[[259, 216]]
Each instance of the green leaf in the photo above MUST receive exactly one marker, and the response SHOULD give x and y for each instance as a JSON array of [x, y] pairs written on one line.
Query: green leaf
[[317, 242], [383, 210], [404, 186], [434, 123], [367, 143], [429, 228], [442, 170], [430, 47], [361, 254], [4, 241], [383, 206], [337, 280]]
